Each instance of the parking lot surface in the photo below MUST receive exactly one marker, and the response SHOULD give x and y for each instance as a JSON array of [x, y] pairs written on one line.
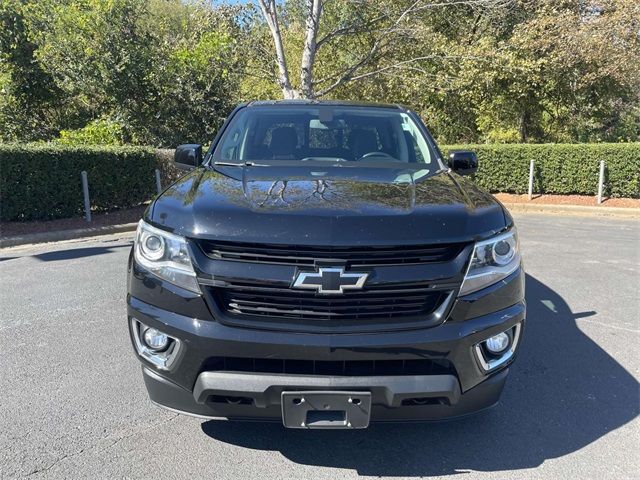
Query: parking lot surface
[[73, 405]]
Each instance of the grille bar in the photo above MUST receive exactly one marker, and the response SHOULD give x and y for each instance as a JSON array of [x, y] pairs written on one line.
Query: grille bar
[[323, 306], [315, 313], [371, 290], [353, 256]]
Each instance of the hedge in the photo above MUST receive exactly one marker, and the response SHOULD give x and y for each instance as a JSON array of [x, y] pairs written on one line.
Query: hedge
[[39, 182], [42, 181], [559, 168]]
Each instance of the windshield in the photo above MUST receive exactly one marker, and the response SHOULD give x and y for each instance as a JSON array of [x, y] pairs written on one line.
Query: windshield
[[323, 133]]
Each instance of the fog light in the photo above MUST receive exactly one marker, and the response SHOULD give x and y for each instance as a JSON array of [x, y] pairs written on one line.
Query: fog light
[[498, 343], [499, 349], [155, 339], [154, 346]]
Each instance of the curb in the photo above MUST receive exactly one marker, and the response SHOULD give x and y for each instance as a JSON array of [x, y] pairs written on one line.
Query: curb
[[621, 212], [60, 235]]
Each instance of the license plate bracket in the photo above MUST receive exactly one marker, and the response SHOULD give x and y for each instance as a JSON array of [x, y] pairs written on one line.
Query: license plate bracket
[[326, 409]]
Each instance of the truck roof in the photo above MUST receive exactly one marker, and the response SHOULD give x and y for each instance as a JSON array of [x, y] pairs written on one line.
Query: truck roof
[[344, 103]]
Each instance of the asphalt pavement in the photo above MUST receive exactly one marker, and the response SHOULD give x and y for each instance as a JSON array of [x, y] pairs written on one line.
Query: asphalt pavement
[[73, 404]]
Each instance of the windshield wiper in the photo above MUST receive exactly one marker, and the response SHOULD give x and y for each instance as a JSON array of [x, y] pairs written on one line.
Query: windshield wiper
[[323, 159], [233, 164]]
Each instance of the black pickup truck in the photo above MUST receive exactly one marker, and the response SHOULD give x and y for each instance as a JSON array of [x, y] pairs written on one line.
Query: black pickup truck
[[325, 266]]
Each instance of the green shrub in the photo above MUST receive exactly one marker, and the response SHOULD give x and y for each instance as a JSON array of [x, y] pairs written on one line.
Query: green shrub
[[39, 182], [559, 168]]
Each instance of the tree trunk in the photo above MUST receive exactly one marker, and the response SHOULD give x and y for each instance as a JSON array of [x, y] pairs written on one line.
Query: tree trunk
[[268, 8], [524, 123], [314, 10]]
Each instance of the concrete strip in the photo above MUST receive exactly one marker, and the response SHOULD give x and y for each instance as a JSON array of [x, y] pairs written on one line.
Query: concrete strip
[[573, 210], [60, 235]]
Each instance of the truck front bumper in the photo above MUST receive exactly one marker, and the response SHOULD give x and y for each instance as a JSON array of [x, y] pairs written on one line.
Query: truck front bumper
[[191, 386], [386, 394]]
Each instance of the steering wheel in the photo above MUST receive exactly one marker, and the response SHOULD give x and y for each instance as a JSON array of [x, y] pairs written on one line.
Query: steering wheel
[[376, 154]]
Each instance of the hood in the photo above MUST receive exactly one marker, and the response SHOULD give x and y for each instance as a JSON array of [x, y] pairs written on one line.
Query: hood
[[334, 205]]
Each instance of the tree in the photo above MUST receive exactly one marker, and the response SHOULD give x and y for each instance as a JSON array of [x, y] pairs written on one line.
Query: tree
[[503, 71], [153, 72], [29, 97], [380, 24], [566, 72]]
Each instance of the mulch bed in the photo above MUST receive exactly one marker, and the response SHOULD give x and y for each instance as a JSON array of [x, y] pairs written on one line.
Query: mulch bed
[[584, 200], [116, 217]]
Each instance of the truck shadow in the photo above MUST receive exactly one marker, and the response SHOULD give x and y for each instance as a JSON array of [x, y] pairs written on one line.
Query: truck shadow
[[75, 253], [564, 393]]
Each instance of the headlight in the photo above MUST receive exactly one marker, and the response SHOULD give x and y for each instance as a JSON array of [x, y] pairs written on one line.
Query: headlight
[[166, 255], [492, 260]]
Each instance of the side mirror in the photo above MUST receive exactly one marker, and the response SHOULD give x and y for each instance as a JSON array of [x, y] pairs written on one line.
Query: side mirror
[[188, 156], [463, 162]]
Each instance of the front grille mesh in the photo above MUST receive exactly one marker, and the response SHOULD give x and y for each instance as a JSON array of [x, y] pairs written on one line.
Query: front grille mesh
[[285, 303]]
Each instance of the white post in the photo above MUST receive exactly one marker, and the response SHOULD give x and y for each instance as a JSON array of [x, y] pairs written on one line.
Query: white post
[[158, 184], [85, 191], [601, 182], [531, 180]]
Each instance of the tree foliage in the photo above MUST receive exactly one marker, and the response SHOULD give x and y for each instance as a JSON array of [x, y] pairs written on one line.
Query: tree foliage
[[30, 99], [160, 69]]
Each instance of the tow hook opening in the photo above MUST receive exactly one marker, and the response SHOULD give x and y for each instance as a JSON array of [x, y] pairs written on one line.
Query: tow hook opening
[[230, 400]]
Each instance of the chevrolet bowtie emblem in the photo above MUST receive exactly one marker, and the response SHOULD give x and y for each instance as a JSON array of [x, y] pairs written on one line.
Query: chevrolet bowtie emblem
[[332, 280]]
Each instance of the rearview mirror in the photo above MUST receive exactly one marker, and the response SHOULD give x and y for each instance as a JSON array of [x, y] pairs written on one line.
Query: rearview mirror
[[188, 156], [463, 162]]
